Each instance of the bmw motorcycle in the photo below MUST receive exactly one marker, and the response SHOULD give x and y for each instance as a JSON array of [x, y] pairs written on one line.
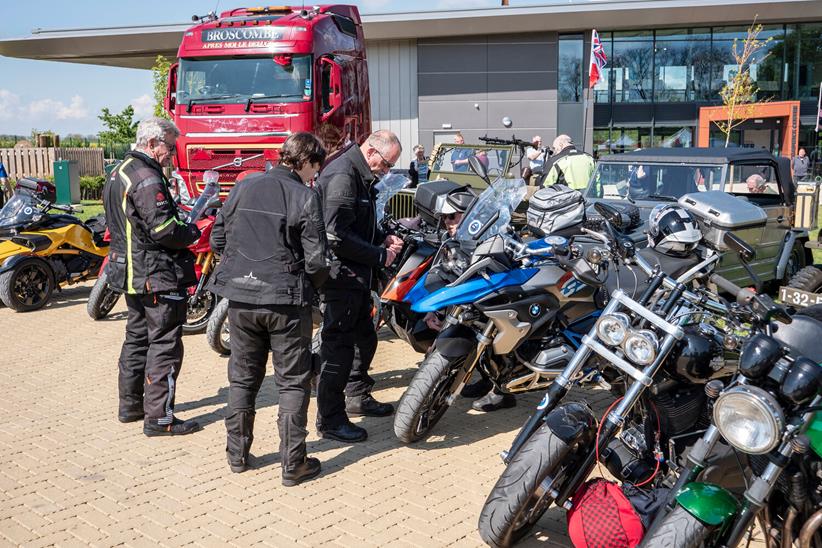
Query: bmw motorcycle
[[511, 310], [769, 414], [656, 351]]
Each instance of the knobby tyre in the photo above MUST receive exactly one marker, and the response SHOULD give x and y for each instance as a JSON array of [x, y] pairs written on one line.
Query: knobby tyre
[[517, 502], [808, 279], [679, 529], [217, 331], [425, 400], [102, 299]]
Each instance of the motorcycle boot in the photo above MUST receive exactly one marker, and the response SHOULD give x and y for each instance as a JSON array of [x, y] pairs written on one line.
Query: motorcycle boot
[[176, 427], [367, 406], [494, 401], [307, 469], [240, 434]]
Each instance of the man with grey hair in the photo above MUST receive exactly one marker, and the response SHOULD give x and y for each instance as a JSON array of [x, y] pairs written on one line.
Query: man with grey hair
[[349, 340], [150, 263], [569, 166]]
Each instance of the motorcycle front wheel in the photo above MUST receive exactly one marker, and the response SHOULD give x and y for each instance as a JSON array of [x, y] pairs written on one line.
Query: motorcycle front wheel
[[679, 529], [101, 299], [426, 398], [199, 311], [521, 494]]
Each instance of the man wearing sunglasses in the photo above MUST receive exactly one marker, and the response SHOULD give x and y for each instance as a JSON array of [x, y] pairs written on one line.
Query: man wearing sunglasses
[[150, 263], [349, 340]]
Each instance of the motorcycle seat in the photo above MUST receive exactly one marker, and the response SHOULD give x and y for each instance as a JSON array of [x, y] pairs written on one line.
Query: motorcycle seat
[[633, 280]]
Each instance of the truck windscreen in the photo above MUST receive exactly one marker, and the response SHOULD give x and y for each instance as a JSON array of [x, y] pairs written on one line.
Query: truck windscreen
[[238, 79]]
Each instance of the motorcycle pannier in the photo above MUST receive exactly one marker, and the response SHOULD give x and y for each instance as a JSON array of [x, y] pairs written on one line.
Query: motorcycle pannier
[[718, 213], [430, 197], [554, 208]]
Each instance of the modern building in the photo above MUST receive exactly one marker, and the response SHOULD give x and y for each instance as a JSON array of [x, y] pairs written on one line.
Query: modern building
[[435, 73]]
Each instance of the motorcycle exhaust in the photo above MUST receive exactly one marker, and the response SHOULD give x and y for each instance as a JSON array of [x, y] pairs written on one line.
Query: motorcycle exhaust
[[808, 530]]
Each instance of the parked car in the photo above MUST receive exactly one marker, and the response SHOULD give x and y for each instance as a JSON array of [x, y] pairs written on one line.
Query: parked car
[[649, 177]]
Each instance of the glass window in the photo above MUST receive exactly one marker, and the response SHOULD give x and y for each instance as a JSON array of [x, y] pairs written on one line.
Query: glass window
[[673, 137], [766, 66], [804, 57], [756, 182], [652, 181], [633, 68], [236, 80], [570, 68], [626, 139], [601, 142], [682, 64]]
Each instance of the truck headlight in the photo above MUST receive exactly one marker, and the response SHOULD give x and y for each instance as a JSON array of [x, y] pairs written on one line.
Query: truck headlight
[[641, 347], [749, 418], [613, 328]]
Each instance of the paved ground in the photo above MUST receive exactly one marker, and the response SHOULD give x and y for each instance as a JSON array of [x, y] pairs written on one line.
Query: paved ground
[[72, 475]]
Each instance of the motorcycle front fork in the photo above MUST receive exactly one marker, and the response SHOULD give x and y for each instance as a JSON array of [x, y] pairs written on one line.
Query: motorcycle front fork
[[206, 261], [484, 339]]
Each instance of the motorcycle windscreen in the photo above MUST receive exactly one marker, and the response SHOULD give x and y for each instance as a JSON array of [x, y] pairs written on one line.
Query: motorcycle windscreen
[[472, 290], [386, 189], [19, 210], [491, 211]]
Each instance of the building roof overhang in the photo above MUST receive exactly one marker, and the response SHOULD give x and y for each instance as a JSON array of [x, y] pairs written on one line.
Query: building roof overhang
[[138, 46]]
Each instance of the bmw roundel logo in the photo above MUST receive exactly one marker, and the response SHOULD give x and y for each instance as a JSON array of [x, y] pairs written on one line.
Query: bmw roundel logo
[[535, 310], [28, 211], [474, 227]]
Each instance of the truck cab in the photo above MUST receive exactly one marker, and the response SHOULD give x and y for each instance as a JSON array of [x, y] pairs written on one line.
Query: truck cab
[[247, 79]]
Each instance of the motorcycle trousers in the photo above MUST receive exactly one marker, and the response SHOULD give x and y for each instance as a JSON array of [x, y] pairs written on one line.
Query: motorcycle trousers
[[256, 330], [349, 342], [152, 355]]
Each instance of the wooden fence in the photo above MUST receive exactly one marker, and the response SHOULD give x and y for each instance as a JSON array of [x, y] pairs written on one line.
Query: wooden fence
[[39, 162]]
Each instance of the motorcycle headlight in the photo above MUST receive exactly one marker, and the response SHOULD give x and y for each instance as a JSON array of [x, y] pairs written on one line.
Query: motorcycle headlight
[[613, 328], [749, 418], [641, 347]]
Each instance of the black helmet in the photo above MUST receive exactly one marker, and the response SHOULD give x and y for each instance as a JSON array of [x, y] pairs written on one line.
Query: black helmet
[[672, 230]]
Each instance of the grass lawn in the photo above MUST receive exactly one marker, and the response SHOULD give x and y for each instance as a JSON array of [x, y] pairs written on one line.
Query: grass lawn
[[91, 208], [817, 253]]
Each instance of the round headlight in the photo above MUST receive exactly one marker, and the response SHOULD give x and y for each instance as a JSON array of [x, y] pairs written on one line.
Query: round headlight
[[640, 347], [613, 328], [749, 418]]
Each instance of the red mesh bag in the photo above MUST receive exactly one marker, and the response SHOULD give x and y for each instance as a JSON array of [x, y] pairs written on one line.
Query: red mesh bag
[[602, 517]]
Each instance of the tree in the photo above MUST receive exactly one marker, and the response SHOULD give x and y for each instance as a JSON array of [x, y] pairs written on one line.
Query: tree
[[159, 74], [120, 128], [739, 92]]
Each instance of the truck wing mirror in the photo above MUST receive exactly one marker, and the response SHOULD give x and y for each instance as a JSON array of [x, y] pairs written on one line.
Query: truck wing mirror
[[170, 100], [331, 87]]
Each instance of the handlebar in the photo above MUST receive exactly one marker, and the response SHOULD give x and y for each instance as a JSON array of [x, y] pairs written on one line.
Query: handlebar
[[741, 294], [762, 306]]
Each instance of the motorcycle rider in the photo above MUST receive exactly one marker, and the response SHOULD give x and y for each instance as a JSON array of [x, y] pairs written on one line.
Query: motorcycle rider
[[349, 339], [149, 262], [271, 236], [569, 166]]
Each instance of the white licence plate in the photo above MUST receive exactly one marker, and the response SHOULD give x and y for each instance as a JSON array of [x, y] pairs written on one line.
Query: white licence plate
[[797, 297]]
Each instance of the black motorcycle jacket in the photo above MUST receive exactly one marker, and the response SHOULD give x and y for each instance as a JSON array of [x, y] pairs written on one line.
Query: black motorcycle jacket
[[148, 251], [271, 237], [348, 197]]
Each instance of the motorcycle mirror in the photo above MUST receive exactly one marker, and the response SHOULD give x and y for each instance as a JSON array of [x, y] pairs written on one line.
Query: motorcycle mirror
[[743, 249], [609, 213], [478, 168]]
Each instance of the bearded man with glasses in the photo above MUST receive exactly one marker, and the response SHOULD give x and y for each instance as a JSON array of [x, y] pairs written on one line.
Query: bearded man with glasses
[[349, 340]]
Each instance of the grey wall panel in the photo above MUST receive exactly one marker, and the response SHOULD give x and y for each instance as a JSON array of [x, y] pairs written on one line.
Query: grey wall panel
[[470, 83], [392, 75], [522, 85], [570, 121], [453, 58], [446, 87]]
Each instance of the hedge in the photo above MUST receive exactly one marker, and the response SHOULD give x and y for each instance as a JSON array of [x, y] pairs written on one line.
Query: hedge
[[91, 187]]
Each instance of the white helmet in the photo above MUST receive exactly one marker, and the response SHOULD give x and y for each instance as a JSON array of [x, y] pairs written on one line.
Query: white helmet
[[672, 230]]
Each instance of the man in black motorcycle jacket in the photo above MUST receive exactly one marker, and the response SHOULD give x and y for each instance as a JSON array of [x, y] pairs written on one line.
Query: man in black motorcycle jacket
[[349, 339], [271, 235], [149, 262]]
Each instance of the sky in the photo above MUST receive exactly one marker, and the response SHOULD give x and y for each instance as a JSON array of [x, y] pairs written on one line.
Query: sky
[[67, 97]]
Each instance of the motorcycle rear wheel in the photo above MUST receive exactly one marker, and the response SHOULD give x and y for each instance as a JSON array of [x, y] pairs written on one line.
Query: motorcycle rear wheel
[[424, 402], [101, 299], [518, 499], [217, 331], [679, 529]]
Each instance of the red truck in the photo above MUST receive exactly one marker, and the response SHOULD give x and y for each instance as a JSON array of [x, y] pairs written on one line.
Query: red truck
[[246, 80]]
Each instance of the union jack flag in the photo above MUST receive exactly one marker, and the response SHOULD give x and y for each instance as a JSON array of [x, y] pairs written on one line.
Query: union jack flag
[[598, 60]]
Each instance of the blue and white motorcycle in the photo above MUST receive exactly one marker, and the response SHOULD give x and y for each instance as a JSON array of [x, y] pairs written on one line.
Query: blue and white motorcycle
[[514, 310]]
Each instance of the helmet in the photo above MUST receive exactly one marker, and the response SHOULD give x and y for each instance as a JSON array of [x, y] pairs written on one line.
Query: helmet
[[672, 230]]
